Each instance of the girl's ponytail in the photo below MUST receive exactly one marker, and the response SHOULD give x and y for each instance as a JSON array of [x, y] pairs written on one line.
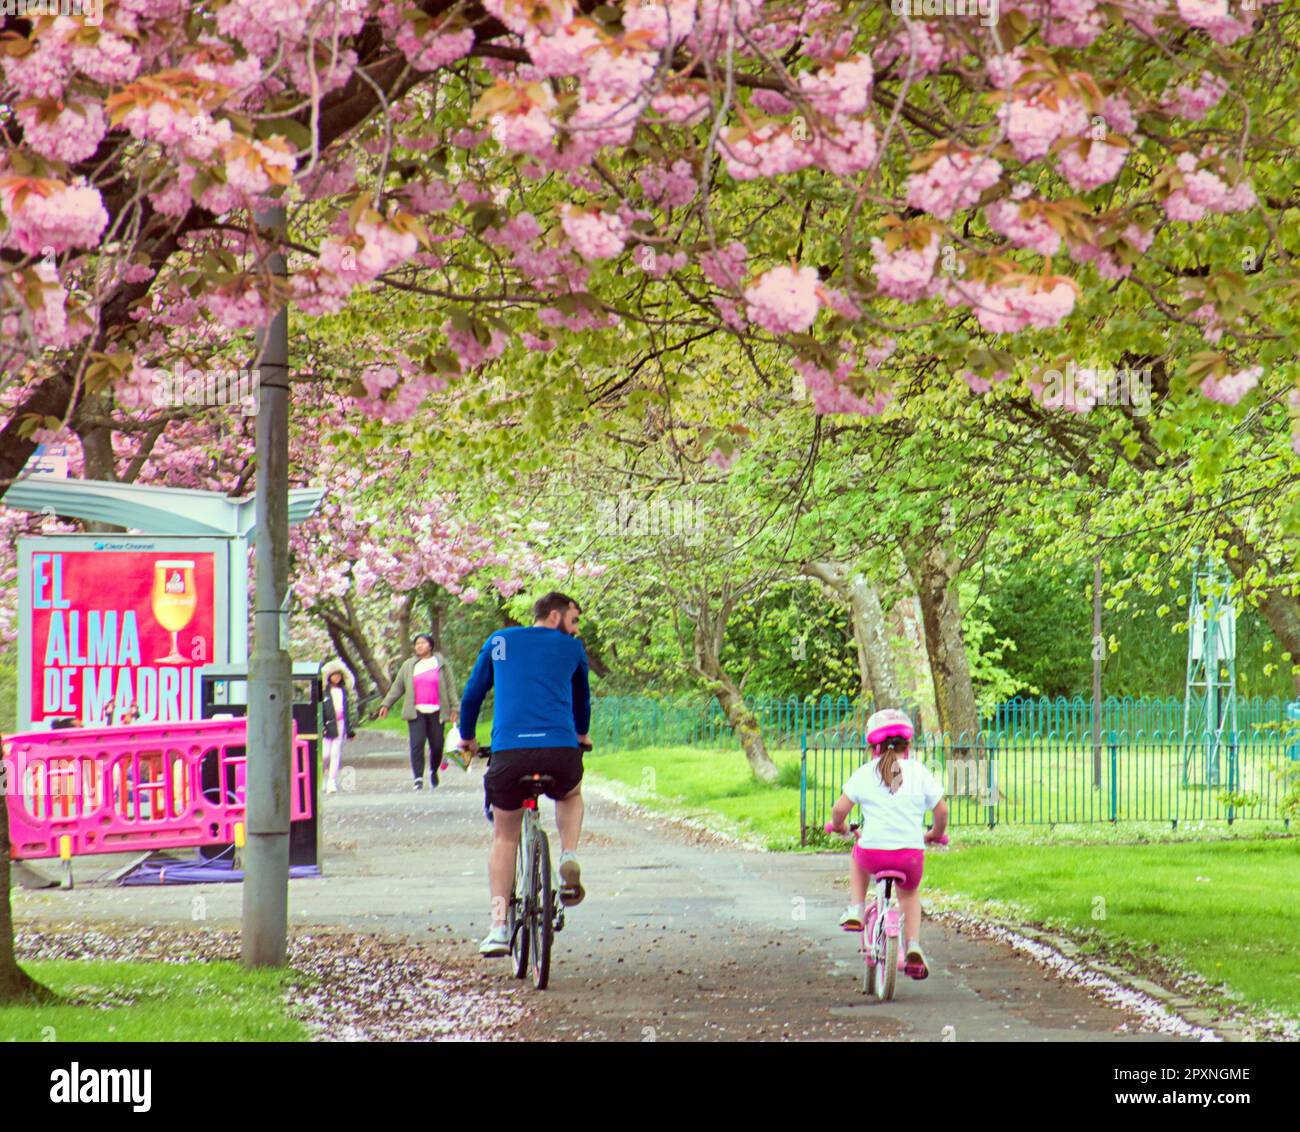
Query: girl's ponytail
[[891, 773]]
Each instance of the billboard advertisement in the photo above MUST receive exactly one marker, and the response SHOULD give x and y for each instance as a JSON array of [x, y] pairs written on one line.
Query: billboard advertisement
[[108, 624]]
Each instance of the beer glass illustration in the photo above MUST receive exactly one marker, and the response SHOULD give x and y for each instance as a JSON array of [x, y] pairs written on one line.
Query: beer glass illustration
[[174, 601]]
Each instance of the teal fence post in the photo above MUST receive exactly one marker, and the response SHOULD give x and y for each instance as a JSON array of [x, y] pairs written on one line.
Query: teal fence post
[[803, 790], [1114, 766], [989, 790]]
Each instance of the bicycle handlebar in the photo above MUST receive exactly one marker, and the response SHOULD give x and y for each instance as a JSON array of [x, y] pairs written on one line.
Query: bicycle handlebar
[[854, 827]]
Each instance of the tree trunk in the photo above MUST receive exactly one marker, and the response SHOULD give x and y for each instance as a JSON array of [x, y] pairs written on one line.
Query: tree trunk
[[709, 631], [916, 681], [876, 674], [15, 984], [99, 463], [1280, 611], [934, 574]]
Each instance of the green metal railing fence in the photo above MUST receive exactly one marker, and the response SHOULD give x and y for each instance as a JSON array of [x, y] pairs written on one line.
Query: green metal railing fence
[[1025, 778], [633, 722]]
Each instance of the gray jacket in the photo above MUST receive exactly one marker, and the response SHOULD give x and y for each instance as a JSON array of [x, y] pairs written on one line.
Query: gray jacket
[[404, 685]]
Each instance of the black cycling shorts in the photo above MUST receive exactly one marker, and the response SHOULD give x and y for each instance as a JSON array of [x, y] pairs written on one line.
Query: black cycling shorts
[[505, 768]]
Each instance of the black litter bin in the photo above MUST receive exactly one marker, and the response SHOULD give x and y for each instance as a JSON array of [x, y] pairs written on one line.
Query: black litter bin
[[224, 691]]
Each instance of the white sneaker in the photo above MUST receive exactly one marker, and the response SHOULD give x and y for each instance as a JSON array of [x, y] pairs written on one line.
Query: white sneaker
[[851, 920], [571, 890], [331, 788], [496, 942]]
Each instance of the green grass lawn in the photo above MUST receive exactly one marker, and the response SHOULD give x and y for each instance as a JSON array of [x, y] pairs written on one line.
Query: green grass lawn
[[154, 1002], [1227, 910], [714, 786]]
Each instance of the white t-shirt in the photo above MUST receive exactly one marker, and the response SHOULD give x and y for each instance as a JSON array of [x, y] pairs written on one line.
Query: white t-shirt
[[893, 821], [336, 694]]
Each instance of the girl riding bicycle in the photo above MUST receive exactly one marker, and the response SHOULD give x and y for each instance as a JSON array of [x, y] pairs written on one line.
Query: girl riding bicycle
[[894, 792]]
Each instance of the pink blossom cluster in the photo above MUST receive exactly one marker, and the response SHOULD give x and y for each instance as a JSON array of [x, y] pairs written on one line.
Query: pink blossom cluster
[[238, 306], [662, 22], [954, 181], [392, 396], [250, 166], [1213, 326], [1008, 309], [671, 187], [683, 104], [528, 129], [841, 88], [784, 300], [469, 350], [771, 102], [346, 262], [583, 318], [849, 150], [1231, 389], [979, 384], [1034, 122], [921, 45], [1072, 23], [1033, 231], [906, 272], [261, 27], [430, 196], [1204, 191], [1214, 18], [48, 214], [72, 133], [658, 263], [831, 391], [49, 318], [1109, 265], [1089, 163], [435, 50], [718, 22], [769, 150], [595, 235], [1194, 102], [725, 267]]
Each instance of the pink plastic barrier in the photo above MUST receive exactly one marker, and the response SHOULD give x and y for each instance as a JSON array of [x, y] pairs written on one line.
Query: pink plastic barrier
[[133, 789]]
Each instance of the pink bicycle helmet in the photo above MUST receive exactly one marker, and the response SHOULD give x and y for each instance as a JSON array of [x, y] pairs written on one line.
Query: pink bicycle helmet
[[884, 724]]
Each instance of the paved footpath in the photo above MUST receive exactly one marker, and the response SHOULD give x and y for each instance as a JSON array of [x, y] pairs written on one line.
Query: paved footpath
[[679, 938]]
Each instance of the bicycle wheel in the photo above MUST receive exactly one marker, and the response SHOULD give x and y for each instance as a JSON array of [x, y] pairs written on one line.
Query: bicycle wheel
[[868, 950], [887, 971], [542, 912], [517, 913]]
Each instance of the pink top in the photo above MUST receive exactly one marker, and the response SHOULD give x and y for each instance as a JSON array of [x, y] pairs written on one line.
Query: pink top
[[426, 688]]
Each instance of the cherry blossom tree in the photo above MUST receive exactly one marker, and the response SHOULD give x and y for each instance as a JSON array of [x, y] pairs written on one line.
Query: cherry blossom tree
[[815, 176]]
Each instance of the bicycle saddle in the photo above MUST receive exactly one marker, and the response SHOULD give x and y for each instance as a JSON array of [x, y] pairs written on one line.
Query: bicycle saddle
[[536, 783], [893, 874]]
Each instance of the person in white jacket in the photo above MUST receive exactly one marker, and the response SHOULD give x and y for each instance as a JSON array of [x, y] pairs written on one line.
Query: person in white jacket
[[338, 718]]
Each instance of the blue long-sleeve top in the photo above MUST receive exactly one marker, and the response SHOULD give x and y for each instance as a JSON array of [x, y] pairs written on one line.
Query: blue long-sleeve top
[[542, 694]]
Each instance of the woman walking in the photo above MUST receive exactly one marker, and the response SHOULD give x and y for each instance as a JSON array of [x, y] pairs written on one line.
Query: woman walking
[[429, 694], [338, 717]]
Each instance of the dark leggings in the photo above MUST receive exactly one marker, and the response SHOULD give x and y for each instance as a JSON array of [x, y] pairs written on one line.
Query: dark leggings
[[425, 727]]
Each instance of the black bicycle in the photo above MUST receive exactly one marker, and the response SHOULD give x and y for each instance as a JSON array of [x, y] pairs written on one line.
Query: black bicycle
[[534, 914]]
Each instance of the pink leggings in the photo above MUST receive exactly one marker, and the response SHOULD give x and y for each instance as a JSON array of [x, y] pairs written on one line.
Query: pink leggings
[[909, 862]]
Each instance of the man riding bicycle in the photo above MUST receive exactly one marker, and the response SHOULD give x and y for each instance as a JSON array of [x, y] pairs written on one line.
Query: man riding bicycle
[[539, 726]]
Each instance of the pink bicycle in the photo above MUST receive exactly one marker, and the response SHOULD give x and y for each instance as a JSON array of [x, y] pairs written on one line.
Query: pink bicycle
[[881, 945]]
